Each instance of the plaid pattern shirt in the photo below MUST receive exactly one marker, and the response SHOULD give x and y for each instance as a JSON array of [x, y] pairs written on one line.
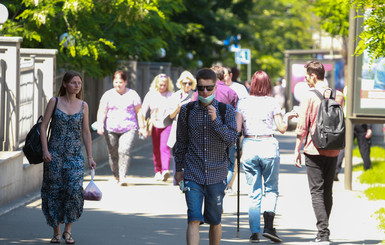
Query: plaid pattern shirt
[[200, 149]]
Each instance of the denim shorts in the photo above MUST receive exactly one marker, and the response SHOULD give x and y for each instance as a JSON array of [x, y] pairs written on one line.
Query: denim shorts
[[213, 198]]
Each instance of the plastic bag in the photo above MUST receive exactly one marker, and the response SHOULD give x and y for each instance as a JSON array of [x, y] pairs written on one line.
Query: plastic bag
[[92, 192]]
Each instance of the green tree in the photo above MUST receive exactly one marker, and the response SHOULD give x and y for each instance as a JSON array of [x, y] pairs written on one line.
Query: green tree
[[276, 26], [207, 24], [99, 32], [334, 19], [373, 34]]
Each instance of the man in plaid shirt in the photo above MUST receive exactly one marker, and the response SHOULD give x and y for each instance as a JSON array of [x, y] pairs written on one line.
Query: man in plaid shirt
[[201, 157]]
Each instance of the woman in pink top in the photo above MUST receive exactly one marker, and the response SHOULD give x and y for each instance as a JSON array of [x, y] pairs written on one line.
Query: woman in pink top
[[157, 100], [118, 119]]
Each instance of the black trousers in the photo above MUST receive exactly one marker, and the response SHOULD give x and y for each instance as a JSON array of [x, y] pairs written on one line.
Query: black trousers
[[363, 145], [320, 173]]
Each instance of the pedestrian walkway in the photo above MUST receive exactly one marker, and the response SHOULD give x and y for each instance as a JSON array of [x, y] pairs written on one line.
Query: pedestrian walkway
[[152, 212]]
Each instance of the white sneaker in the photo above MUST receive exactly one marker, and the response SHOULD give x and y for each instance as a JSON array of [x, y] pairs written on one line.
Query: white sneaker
[[165, 175], [319, 242], [158, 176]]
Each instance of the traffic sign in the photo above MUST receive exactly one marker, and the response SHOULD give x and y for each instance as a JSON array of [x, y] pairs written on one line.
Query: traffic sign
[[243, 56]]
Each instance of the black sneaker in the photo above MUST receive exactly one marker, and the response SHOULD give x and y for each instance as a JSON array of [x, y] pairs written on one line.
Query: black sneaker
[[272, 235], [254, 238]]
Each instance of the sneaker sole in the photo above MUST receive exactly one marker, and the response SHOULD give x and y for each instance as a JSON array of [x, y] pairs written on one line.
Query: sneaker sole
[[271, 237], [254, 241]]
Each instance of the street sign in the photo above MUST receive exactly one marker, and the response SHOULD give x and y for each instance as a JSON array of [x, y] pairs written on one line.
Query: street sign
[[242, 56]]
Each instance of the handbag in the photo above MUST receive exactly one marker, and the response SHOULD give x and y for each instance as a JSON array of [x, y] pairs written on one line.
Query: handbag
[[32, 148], [92, 192]]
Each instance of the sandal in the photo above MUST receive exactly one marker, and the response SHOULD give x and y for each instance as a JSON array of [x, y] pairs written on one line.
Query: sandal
[[55, 238], [68, 238]]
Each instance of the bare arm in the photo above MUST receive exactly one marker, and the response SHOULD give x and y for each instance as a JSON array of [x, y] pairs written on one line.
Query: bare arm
[[174, 113], [239, 119], [297, 151], [43, 129], [86, 134], [282, 123], [141, 121], [101, 117]]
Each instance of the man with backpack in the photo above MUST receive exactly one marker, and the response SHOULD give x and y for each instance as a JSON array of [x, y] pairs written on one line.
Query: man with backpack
[[203, 136], [320, 161]]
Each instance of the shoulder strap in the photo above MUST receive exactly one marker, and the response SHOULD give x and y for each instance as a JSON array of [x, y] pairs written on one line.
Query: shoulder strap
[[53, 117], [222, 111], [189, 107], [317, 93]]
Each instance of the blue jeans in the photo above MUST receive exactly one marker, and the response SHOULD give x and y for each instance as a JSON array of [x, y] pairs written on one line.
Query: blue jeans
[[260, 158], [213, 198], [231, 163]]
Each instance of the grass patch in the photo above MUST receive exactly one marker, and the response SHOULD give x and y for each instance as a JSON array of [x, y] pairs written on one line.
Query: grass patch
[[377, 154], [375, 193], [373, 176], [380, 215]]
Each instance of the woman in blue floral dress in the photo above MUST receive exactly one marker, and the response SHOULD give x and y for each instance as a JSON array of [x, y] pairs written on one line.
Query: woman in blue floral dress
[[62, 189]]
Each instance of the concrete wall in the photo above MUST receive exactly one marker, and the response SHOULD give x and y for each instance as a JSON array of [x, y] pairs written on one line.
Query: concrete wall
[[19, 178]]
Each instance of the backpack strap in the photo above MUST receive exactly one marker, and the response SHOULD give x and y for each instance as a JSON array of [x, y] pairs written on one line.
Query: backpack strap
[[318, 93], [222, 111], [189, 106], [52, 118]]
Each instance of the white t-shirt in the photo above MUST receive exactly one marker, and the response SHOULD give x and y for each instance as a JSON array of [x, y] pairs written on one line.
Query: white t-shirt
[[258, 114], [159, 106], [240, 90]]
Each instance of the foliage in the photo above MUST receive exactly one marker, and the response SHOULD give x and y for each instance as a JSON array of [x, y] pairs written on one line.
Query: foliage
[[206, 24], [372, 37], [276, 26], [333, 16], [99, 32], [102, 32]]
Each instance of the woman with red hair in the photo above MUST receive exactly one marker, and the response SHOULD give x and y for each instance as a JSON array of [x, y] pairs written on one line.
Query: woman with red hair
[[257, 115]]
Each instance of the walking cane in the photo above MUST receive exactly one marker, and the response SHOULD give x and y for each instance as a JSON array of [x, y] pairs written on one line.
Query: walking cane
[[239, 182]]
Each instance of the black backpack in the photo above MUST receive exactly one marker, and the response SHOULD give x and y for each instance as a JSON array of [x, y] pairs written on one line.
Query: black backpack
[[32, 148], [330, 126]]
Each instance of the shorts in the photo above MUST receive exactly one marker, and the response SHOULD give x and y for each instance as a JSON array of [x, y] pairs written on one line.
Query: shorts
[[213, 197]]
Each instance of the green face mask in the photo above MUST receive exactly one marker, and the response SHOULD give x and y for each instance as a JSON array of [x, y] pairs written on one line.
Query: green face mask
[[206, 100]]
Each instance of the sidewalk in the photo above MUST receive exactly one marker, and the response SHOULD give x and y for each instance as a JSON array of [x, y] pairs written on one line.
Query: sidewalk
[[150, 212]]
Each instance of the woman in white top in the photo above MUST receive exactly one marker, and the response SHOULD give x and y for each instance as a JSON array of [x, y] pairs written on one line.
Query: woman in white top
[[256, 114], [158, 101], [187, 83]]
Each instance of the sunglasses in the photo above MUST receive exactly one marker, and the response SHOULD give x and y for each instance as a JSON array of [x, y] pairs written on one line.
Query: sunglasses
[[187, 83], [163, 76], [208, 88]]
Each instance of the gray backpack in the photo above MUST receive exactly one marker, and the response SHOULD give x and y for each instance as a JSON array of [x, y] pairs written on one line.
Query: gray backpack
[[330, 126]]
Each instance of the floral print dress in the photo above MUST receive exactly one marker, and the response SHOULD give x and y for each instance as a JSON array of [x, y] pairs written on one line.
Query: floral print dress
[[62, 189]]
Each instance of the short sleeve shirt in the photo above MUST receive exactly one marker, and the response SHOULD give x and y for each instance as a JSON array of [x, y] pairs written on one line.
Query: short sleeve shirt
[[120, 114], [258, 114]]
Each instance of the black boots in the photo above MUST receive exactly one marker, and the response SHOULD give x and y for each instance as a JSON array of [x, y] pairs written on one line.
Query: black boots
[[269, 231]]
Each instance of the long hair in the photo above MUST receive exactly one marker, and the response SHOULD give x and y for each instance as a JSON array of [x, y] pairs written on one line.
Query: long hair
[[155, 83], [66, 79], [260, 84], [186, 75]]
